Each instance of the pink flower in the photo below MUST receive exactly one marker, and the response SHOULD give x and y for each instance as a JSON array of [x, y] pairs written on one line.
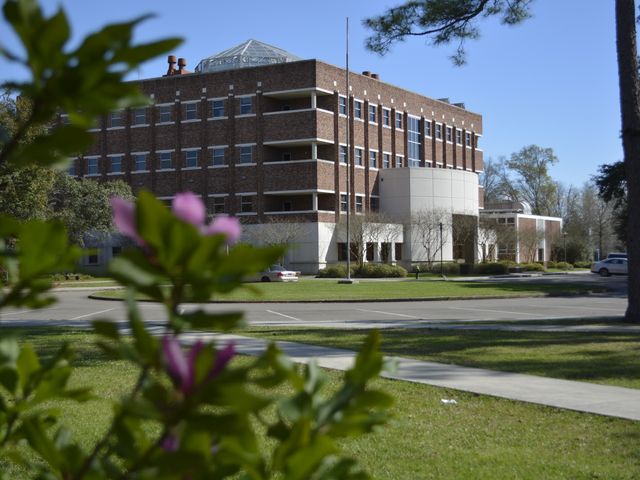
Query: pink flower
[[124, 218], [170, 443], [182, 369], [188, 207], [228, 226]]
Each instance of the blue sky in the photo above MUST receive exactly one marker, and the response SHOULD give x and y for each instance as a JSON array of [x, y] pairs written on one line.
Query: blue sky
[[551, 81]]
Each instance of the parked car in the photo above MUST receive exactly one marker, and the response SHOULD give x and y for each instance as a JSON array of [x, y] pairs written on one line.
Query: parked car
[[611, 266], [617, 255], [276, 273]]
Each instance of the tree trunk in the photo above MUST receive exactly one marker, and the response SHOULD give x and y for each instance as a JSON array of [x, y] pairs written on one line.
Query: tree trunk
[[630, 111]]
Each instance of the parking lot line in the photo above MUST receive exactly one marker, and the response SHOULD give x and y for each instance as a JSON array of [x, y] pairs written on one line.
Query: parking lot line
[[283, 315], [92, 314], [498, 311], [389, 313]]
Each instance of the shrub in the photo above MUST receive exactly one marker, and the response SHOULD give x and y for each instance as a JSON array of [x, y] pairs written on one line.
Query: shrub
[[380, 270], [333, 271], [491, 268], [59, 277], [564, 266], [448, 268], [552, 264], [532, 267], [582, 264]]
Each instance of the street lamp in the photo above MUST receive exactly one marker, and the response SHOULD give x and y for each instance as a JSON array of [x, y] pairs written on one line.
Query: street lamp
[[441, 264]]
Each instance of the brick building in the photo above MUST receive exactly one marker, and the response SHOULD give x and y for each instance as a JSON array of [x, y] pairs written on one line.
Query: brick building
[[262, 135]]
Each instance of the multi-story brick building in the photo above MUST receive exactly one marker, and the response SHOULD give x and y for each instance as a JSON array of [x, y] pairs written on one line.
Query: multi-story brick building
[[262, 135]]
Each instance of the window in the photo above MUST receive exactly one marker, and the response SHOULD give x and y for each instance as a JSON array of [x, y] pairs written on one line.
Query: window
[[398, 119], [165, 113], [190, 111], [218, 205], [468, 139], [217, 156], [246, 154], [72, 168], [386, 117], [115, 119], [373, 113], [246, 105], [115, 251], [398, 251], [92, 166], [386, 160], [359, 203], [438, 131], [342, 252], [458, 136], [358, 156], [217, 108], [166, 160], [140, 116], [343, 203], [399, 161], [246, 204], [449, 138], [427, 128], [369, 251], [139, 162], [342, 105], [286, 156], [358, 109], [414, 141], [373, 159], [191, 158], [92, 259], [115, 164], [374, 203], [343, 154]]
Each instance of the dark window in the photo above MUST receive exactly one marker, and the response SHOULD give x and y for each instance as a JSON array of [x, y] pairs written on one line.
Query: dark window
[[165, 113], [92, 166], [398, 119], [373, 113], [246, 154], [342, 105], [115, 119], [115, 251], [246, 105], [217, 156], [286, 156], [246, 204], [386, 160], [191, 158], [374, 203], [92, 259], [449, 138], [386, 117], [359, 203], [217, 108], [342, 252], [358, 109], [373, 159], [468, 139], [190, 111], [139, 162], [343, 154], [140, 116], [427, 128], [115, 164], [358, 158], [370, 247], [398, 251], [459, 137], [286, 206], [343, 203], [166, 160], [438, 131], [219, 205]]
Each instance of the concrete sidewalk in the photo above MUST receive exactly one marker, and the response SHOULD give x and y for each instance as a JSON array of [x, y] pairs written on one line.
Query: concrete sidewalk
[[583, 397]]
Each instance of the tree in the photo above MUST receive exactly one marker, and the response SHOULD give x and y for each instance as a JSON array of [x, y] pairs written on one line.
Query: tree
[[491, 179], [443, 21], [531, 182], [487, 237], [282, 232], [83, 206], [426, 226], [612, 187], [364, 229]]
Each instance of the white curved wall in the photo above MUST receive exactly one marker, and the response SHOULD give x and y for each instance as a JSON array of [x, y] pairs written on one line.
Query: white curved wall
[[406, 190]]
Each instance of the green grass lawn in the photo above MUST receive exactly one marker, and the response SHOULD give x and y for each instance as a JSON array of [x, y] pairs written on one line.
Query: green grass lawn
[[322, 290], [607, 358], [479, 438]]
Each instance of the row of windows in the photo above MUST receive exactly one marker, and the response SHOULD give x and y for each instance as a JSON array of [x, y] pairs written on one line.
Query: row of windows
[[385, 251], [373, 158], [374, 203], [140, 161], [139, 116]]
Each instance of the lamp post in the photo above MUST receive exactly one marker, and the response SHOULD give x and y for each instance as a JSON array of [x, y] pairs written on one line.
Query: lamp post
[[564, 245], [441, 248]]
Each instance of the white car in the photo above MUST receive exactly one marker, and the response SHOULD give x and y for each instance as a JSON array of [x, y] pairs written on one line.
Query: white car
[[611, 266], [276, 273]]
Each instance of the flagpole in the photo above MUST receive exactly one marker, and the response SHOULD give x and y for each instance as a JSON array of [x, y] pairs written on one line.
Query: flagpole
[[348, 159]]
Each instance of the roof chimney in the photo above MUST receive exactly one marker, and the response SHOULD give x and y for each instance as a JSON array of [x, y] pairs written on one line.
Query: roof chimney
[[460, 105], [445, 100], [366, 73], [171, 60], [182, 63], [375, 76]]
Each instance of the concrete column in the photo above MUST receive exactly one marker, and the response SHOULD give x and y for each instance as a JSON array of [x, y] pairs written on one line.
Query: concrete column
[[314, 150], [314, 103], [392, 253], [314, 201]]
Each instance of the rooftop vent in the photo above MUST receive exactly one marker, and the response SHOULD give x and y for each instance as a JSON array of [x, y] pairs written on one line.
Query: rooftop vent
[[375, 76], [445, 100], [366, 73], [460, 105], [172, 70]]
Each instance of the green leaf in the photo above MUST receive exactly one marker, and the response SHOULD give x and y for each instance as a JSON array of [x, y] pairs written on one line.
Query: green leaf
[[202, 320], [27, 364], [106, 328]]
